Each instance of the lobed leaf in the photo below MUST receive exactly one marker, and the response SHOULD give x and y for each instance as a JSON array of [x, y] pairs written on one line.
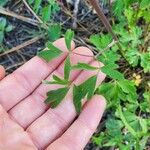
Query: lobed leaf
[[86, 89], [51, 53], [69, 35], [55, 97], [57, 80], [84, 66], [54, 32], [46, 13], [114, 74], [67, 68]]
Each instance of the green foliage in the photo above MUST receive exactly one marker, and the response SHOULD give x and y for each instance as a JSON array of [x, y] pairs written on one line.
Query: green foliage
[[84, 66], [67, 68], [45, 10], [55, 97], [54, 32], [111, 71], [50, 52], [4, 28], [86, 89], [126, 126], [3, 2], [69, 35], [57, 80], [100, 41], [118, 90], [145, 61]]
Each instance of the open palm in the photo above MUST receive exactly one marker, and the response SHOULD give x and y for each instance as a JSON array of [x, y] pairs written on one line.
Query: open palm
[[26, 123]]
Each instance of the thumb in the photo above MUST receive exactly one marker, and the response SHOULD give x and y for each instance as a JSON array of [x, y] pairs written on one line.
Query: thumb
[[2, 72]]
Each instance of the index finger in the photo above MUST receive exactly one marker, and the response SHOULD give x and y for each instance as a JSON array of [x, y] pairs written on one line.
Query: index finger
[[22, 82]]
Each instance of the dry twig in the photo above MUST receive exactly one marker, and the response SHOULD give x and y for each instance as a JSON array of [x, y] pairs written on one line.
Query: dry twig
[[22, 18], [31, 41], [30, 9]]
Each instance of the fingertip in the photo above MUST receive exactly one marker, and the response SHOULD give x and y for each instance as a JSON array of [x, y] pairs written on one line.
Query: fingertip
[[2, 72], [100, 100], [60, 43], [82, 50]]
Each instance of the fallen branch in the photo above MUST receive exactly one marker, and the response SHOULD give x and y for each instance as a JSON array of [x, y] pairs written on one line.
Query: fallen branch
[[29, 42], [3, 11]]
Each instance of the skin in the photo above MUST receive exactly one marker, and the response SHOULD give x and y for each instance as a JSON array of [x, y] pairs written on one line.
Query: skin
[[27, 123]]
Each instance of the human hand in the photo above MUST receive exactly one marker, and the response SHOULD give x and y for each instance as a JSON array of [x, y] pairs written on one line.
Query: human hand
[[26, 123]]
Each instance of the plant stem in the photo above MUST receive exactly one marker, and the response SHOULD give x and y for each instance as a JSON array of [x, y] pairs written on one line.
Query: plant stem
[[137, 145], [105, 21]]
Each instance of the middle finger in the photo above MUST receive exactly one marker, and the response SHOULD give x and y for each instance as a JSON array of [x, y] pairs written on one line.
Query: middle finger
[[33, 106]]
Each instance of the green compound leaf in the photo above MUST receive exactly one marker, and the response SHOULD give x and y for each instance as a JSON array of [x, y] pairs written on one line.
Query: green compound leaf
[[54, 32], [46, 13], [77, 97], [69, 35], [67, 68], [55, 97], [86, 89], [37, 4], [84, 66], [57, 80], [100, 41], [129, 89], [144, 4], [51, 53], [145, 61], [114, 74]]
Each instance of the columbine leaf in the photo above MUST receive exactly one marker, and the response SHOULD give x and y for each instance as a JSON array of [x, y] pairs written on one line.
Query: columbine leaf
[[56, 96], [69, 35], [67, 68], [87, 88], [84, 66], [77, 97], [57, 80], [51, 53]]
